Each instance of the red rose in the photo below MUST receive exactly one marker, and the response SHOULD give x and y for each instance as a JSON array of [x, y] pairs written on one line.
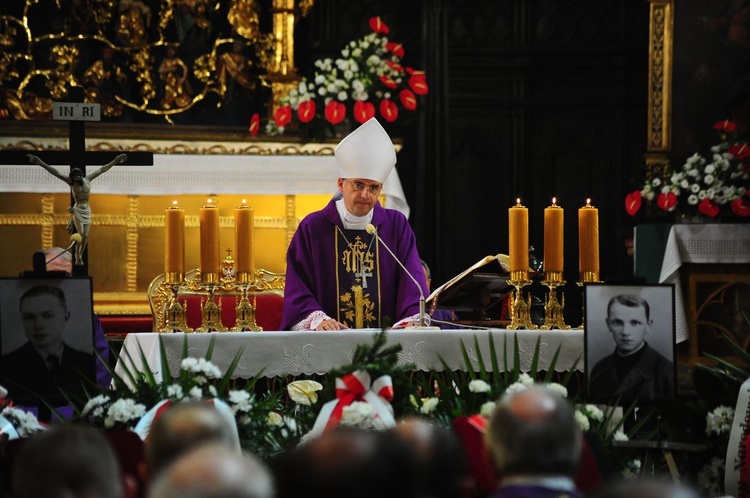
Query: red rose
[[335, 112], [666, 201], [363, 111], [408, 99], [725, 126], [378, 26], [254, 124], [306, 111], [388, 82], [708, 207], [283, 115], [395, 48], [388, 110], [633, 202]]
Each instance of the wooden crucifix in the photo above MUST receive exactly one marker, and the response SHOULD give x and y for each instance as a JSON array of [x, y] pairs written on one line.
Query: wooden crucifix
[[77, 157]]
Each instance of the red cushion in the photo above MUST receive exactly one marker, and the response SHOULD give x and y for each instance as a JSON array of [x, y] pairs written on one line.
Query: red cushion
[[124, 324], [268, 308]]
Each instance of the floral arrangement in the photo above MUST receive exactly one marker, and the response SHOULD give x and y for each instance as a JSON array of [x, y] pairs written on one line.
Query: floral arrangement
[[271, 421], [367, 79], [703, 185], [18, 423]]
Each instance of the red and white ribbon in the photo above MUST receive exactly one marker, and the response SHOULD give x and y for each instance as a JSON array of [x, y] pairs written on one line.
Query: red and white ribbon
[[352, 387]]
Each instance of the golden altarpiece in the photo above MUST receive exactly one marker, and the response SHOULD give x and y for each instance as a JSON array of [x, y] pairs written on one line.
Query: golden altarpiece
[[282, 178]]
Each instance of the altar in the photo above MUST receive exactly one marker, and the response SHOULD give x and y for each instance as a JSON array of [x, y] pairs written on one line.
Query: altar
[[282, 180], [691, 256], [276, 354]]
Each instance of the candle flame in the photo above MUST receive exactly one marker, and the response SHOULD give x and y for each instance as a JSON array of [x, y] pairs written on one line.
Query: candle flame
[[518, 201], [588, 202], [209, 201], [244, 201], [554, 201], [174, 203]]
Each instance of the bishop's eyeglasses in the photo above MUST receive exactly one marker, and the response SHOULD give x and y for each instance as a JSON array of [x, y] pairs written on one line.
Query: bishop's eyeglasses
[[373, 189]]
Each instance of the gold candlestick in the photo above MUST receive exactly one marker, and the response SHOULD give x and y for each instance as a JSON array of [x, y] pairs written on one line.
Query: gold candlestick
[[553, 309], [520, 309], [210, 312], [174, 313], [245, 311]]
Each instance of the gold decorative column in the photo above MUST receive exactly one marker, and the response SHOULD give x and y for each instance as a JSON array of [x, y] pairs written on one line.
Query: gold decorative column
[[282, 75]]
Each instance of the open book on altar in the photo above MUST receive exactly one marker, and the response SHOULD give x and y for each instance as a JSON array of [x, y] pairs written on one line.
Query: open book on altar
[[477, 292]]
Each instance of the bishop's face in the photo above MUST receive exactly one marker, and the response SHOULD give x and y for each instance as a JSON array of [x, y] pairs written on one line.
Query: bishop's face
[[360, 195]]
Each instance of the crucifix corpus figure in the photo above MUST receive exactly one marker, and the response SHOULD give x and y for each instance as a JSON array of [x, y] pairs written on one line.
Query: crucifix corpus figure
[[80, 189]]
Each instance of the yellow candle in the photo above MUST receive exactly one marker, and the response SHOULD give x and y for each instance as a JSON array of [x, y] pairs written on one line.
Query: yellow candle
[[209, 228], [518, 235], [174, 238], [588, 240], [553, 238], [243, 235]]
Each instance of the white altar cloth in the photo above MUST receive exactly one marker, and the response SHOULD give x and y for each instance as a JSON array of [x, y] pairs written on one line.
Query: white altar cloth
[[701, 243], [206, 174], [298, 353]]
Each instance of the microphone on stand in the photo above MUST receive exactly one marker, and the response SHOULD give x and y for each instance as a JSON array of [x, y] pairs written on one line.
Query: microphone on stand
[[370, 228]]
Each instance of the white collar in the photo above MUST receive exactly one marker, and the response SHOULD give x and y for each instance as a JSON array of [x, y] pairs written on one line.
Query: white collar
[[350, 221]]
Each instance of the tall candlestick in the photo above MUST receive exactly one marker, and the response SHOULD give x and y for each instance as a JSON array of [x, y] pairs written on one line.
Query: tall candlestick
[[174, 242], [209, 230], [553, 241], [243, 233], [588, 242], [518, 235]]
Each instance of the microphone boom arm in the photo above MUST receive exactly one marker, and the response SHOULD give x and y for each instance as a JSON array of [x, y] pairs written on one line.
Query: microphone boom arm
[[371, 229]]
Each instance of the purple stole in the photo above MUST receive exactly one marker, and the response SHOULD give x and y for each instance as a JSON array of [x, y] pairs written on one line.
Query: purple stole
[[357, 278]]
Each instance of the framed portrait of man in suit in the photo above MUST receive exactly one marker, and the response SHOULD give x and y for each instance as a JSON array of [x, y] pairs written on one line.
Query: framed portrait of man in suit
[[46, 339], [630, 342]]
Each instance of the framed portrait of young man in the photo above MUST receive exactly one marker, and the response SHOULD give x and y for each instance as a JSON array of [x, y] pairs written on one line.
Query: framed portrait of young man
[[629, 341], [46, 338]]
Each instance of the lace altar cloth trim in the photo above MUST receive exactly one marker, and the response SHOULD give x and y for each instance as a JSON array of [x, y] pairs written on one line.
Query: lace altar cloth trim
[[296, 353]]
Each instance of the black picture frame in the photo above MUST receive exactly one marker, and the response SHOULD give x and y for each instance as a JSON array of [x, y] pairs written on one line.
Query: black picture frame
[[78, 358], [656, 378]]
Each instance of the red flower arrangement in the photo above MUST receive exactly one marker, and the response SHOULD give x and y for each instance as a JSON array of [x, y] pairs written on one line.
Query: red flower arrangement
[[701, 185], [367, 79]]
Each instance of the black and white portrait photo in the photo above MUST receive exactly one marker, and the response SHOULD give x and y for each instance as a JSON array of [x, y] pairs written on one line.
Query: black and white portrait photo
[[629, 337], [46, 343]]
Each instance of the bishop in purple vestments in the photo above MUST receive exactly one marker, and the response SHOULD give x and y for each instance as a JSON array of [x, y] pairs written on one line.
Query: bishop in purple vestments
[[340, 276]]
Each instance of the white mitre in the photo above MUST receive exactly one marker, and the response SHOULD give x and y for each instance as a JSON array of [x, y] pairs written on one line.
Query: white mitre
[[366, 153]]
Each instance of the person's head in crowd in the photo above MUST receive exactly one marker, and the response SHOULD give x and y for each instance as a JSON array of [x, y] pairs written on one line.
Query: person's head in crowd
[[214, 471], [67, 461], [534, 433], [58, 259], [442, 466], [184, 426], [647, 489], [341, 463], [44, 315], [628, 320]]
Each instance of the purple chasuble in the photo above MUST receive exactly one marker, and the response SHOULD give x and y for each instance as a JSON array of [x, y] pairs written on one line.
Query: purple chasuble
[[312, 264]]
